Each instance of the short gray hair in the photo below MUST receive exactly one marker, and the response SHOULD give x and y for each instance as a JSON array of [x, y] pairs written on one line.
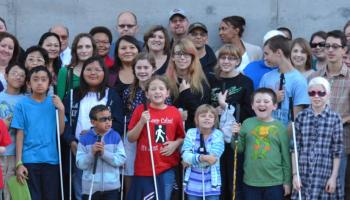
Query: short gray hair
[[320, 81]]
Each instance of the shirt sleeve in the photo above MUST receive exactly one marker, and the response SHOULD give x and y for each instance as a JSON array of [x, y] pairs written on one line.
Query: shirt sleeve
[[286, 162]]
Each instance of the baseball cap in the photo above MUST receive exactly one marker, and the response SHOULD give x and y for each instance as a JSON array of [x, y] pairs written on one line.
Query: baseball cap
[[197, 25], [177, 11]]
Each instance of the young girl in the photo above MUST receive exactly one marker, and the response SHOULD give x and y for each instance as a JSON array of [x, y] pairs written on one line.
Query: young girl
[[204, 164], [36, 150], [229, 87], [134, 95], [301, 56], [319, 139], [15, 76], [189, 86], [93, 91], [166, 130], [83, 47]]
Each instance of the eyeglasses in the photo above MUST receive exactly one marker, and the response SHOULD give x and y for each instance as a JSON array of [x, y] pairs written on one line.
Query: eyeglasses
[[319, 44], [318, 93], [333, 46], [179, 54], [16, 74], [229, 58], [198, 34], [104, 119], [129, 26]]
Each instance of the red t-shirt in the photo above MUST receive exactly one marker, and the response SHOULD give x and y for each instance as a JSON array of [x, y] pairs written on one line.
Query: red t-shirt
[[165, 125], [5, 140]]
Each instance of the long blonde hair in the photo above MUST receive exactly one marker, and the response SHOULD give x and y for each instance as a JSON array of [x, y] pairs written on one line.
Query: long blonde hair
[[195, 72]]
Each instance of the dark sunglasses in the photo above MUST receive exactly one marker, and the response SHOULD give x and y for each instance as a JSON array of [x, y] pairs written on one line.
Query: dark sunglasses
[[104, 119], [319, 93], [320, 44]]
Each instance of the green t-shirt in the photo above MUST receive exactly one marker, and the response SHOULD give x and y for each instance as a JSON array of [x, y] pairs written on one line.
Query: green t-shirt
[[62, 80], [266, 153]]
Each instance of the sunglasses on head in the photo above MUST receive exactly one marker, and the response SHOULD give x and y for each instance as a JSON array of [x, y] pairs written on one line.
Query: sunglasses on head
[[319, 44], [318, 93], [104, 119]]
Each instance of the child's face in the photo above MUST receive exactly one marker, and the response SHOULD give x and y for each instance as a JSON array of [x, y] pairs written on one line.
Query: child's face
[[39, 82], [318, 96], [157, 92], [16, 77], [228, 63], [263, 105], [93, 74], [206, 120], [103, 121], [143, 70]]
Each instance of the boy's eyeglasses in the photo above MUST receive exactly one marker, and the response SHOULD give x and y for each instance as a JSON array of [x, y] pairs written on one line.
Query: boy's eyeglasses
[[333, 46], [319, 44], [318, 93], [104, 119]]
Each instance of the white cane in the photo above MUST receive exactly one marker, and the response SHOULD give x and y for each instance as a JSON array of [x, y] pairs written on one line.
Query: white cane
[[59, 152], [123, 171], [295, 144], [70, 150], [203, 184], [151, 154]]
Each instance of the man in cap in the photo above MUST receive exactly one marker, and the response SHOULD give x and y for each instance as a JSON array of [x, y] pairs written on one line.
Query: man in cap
[[178, 24], [198, 34]]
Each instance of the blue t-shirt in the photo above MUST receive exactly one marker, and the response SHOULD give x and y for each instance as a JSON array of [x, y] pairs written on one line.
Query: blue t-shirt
[[7, 106], [295, 85], [256, 70], [38, 122]]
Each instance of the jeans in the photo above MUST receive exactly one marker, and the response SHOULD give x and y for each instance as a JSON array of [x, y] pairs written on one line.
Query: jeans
[[168, 179], [263, 193], [106, 195], [214, 197], [342, 170], [77, 183]]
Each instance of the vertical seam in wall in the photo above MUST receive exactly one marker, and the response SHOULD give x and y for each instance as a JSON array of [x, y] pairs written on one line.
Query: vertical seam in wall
[[277, 14]]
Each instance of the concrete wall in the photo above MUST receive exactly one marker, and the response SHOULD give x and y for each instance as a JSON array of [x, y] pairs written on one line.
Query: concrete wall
[[28, 19]]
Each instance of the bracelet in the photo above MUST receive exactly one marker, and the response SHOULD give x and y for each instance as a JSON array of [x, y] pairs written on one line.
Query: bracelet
[[19, 163]]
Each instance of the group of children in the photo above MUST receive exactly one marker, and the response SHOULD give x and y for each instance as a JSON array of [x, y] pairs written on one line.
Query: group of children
[[156, 136]]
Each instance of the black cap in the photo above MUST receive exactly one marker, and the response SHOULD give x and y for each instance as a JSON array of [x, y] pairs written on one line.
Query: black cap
[[197, 25]]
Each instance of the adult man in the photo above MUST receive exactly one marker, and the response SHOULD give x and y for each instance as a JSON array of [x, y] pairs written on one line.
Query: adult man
[[63, 33], [338, 75], [126, 25], [198, 34], [178, 24]]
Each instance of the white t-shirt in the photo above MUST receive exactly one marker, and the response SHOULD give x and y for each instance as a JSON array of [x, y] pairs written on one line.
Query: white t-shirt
[[245, 61], [90, 100]]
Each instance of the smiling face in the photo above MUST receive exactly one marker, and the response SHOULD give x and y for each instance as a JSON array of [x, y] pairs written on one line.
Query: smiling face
[[263, 106], [178, 25], [270, 57], [34, 59], [84, 49], [102, 43], [127, 51], [52, 46], [93, 74], [228, 63], [318, 51], [143, 70], [206, 120], [157, 93], [334, 50], [156, 43], [15, 78], [6, 49], [298, 56], [182, 59]]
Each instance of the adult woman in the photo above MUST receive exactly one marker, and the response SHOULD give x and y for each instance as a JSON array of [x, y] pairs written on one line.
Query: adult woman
[[35, 56], [301, 56], [189, 86], [347, 31], [83, 47], [51, 43], [121, 74], [103, 39], [317, 43], [9, 51], [157, 42], [230, 31]]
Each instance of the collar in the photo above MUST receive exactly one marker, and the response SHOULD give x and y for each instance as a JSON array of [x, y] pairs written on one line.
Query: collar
[[343, 71]]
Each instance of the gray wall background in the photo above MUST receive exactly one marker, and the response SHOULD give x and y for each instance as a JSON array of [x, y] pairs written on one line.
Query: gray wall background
[[28, 19]]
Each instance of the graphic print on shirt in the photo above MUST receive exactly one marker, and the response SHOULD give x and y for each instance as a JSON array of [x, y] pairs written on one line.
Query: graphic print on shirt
[[262, 141], [230, 91], [160, 134], [6, 114]]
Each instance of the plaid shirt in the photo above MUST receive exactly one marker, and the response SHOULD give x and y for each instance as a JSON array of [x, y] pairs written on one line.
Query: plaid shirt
[[319, 141], [340, 97]]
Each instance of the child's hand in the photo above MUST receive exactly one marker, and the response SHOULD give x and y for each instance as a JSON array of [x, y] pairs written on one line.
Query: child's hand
[[145, 117], [222, 99], [236, 127], [211, 159], [331, 185], [286, 189], [168, 148], [57, 102], [98, 147], [184, 85], [296, 184], [280, 95], [22, 174], [185, 164]]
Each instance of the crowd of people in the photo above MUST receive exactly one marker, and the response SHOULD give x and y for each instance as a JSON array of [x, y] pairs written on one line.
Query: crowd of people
[[170, 118]]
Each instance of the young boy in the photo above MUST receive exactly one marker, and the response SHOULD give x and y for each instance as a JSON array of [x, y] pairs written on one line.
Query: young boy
[[277, 53], [110, 153], [265, 142], [36, 138]]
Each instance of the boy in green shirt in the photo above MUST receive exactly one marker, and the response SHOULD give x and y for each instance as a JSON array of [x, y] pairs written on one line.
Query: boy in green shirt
[[265, 143]]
